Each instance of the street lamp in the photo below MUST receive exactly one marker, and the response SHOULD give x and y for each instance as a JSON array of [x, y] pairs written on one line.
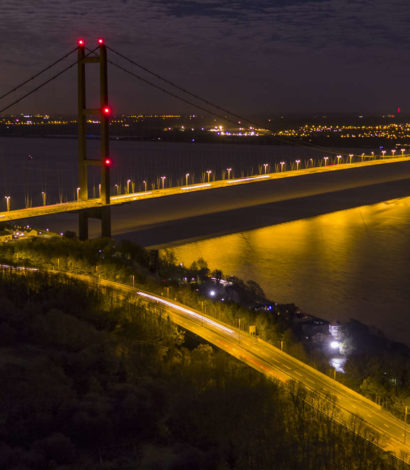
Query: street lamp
[[163, 181], [311, 161], [78, 193], [44, 196], [265, 165], [362, 155], [402, 151], [99, 190], [186, 179], [297, 164], [350, 157], [325, 159], [281, 165], [393, 151], [338, 158], [383, 153], [145, 185], [208, 172], [7, 198], [116, 188], [128, 186], [229, 172]]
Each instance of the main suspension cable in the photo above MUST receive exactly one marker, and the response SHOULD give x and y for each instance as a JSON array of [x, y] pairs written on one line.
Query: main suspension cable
[[170, 93], [38, 74], [41, 85], [283, 139], [178, 87]]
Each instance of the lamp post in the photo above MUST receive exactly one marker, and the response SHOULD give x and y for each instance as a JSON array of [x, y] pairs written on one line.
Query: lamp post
[[281, 165], [208, 172], [383, 153], [265, 165], [362, 155], [145, 185], [99, 190], [350, 157], [7, 198], [393, 151], [186, 179], [402, 151], [229, 172], [44, 196], [338, 158], [297, 164], [325, 159], [128, 186], [163, 181], [116, 188], [311, 161], [78, 193]]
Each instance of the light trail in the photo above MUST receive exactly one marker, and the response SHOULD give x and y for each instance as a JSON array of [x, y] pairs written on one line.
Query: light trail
[[242, 180], [131, 195], [196, 186], [270, 360], [187, 311]]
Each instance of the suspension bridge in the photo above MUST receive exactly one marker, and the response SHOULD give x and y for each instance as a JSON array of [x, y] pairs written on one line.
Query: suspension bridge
[[100, 207]]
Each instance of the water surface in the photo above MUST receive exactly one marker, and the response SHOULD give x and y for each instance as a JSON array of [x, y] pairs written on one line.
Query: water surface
[[348, 264]]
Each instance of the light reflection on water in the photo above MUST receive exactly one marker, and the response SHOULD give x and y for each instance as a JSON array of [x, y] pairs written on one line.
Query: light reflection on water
[[348, 264]]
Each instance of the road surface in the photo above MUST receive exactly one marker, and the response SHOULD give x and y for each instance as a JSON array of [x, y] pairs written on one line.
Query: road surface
[[331, 397]]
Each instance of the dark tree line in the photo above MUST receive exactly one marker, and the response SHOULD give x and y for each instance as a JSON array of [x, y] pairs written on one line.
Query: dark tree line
[[93, 381]]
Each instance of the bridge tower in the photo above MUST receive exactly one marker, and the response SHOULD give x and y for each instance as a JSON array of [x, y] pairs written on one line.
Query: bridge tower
[[103, 213]]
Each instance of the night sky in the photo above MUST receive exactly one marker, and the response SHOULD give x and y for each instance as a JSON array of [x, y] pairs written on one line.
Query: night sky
[[276, 56]]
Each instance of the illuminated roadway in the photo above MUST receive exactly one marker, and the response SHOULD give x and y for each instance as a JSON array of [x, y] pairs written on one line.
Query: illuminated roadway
[[329, 396], [76, 206], [276, 364]]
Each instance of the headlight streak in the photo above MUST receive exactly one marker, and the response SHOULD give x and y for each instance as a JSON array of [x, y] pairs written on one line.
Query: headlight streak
[[240, 180], [197, 186], [187, 311], [129, 196]]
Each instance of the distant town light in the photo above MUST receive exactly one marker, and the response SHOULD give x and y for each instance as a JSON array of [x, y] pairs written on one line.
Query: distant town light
[[335, 344], [212, 293]]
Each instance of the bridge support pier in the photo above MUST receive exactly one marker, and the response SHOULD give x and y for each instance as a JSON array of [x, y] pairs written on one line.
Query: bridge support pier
[[102, 213], [104, 161]]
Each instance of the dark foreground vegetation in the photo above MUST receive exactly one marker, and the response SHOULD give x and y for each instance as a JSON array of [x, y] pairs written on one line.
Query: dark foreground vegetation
[[376, 367], [93, 381]]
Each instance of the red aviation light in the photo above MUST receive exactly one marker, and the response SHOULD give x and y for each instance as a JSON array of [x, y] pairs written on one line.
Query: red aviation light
[[100, 41], [106, 110], [107, 162], [81, 42]]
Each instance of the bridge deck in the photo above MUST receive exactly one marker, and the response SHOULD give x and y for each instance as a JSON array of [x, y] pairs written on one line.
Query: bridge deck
[[77, 206]]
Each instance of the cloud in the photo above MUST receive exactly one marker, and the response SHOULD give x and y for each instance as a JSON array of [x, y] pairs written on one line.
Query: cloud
[[222, 46]]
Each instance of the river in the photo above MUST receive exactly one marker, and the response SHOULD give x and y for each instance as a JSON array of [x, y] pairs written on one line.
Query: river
[[348, 264]]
